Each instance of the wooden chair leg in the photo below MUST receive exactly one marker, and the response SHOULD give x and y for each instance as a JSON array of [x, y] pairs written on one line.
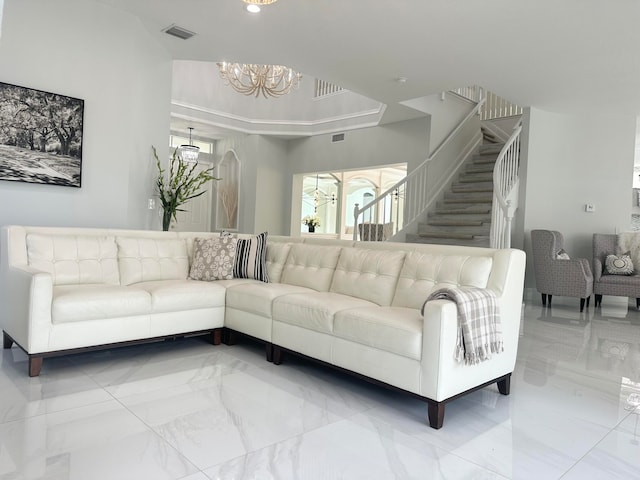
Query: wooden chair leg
[[436, 414], [549, 297], [544, 299], [582, 302], [597, 300], [638, 303], [588, 300]]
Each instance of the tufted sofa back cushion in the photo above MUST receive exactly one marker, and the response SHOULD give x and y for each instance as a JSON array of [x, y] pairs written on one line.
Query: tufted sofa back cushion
[[311, 266], [368, 274], [74, 259], [277, 253], [423, 273], [148, 259]]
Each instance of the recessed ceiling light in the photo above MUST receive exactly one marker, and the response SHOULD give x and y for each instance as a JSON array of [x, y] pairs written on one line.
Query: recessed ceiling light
[[252, 8]]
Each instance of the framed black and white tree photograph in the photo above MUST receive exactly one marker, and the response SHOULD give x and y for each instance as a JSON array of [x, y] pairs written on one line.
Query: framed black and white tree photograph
[[40, 136]]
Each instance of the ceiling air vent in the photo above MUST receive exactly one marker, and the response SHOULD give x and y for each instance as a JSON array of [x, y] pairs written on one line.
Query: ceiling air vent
[[338, 137], [179, 32]]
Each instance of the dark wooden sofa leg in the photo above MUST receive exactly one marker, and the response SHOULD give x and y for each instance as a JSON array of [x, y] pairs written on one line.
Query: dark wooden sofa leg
[[7, 341], [216, 336], [35, 365], [436, 414], [504, 385], [277, 355], [229, 337], [269, 352]]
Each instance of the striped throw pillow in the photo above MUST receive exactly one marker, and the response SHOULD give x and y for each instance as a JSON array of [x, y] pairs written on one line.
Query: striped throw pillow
[[251, 258]]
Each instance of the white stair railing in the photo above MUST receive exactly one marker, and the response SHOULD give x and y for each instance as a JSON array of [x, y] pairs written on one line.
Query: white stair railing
[[495, 105], [505, 191], [407, 200]]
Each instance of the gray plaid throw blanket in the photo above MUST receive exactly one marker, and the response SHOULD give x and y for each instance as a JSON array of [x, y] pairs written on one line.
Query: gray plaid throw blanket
[[479, 328]]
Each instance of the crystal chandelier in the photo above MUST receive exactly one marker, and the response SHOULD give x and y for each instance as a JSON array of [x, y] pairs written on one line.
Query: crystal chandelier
[[189, 153], [252, 79], [253, 6]]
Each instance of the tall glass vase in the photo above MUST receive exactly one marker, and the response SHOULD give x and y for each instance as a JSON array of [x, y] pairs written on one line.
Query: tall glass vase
[[166, 219]]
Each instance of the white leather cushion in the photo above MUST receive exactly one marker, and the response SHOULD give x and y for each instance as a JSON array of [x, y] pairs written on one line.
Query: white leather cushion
[[394, 329], [276, 256], [182, 295], [315, 310], [74, 259], [148, 259], [77, 303], [424, 272], [311, 266], [368, 274], [258, 297]]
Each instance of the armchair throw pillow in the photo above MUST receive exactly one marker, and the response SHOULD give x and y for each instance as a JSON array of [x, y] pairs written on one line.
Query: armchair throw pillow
[[562, 255], [619, 264]]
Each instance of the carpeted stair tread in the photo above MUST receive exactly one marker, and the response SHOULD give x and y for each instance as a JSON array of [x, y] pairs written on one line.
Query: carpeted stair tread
[[472, 187], [495, 148], [459, 217], [427, 228], [455, 223], [480, 241], [474, 177], [461, 208], [459, 236], [468, 197], [479, 167], [482, 159]]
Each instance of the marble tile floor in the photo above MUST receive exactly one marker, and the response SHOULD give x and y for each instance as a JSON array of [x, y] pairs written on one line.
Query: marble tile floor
[[188, 410]]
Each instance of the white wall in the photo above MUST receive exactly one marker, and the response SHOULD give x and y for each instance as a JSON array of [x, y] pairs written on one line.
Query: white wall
[[90, 51], [401, 142], [570, 160], [265, 188], [445, 113]]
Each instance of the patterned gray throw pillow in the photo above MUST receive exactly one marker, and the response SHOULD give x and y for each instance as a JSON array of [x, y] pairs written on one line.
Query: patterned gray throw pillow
[[213, 258], [619, 264]]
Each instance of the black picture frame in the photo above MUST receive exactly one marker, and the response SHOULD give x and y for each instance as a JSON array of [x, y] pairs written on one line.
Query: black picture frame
[[40, 136]]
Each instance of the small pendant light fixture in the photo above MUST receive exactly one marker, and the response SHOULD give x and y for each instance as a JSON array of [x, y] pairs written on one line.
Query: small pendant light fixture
[[189, 153]]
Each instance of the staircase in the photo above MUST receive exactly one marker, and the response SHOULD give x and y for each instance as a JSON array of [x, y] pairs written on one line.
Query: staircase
[[463, 215]]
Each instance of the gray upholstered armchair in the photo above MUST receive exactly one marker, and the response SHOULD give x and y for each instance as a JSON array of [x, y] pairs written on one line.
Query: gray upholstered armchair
[[617, 285], [568, 278]]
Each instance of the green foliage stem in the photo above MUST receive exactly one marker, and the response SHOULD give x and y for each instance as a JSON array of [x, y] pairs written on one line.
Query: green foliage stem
[[180, 184]]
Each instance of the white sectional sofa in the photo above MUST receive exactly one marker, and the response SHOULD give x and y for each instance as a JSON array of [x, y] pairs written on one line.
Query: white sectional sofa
[[353, 305]]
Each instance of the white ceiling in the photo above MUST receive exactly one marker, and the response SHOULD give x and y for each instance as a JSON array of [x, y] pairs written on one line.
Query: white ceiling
[[558, 55]]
